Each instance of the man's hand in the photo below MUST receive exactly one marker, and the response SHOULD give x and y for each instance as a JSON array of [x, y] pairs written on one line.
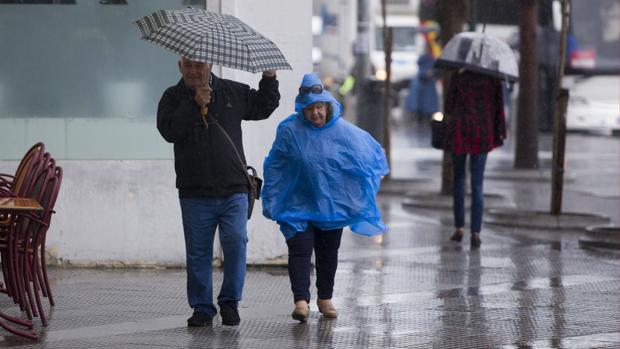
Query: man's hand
[[203, 95], [269, 73]]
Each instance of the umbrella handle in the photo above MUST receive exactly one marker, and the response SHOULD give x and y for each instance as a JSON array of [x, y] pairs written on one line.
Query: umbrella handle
[[204, 111]]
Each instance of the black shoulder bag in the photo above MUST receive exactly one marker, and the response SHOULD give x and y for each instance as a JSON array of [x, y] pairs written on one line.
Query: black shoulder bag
[[255, 183], [438, 125]]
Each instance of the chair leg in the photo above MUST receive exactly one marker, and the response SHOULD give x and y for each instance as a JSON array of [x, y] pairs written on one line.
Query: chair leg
[[8, 269], [46, 283], [39, 273], [25, 323], [6, 289], [19, 332], [25, 296], [27, 278], [36, 286], [18, 279]]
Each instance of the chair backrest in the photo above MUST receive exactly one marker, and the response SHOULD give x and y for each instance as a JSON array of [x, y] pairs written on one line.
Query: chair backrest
[[39, 165], [24, 172], [47, 199]]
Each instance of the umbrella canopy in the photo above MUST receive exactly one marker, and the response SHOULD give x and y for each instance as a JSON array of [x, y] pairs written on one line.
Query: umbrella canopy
[[209, 37], [480, 53]]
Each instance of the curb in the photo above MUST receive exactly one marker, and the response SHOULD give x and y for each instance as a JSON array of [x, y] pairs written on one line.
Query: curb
[[515, 174], [601, 237], [400, 186], [438, 200], [544, 220], [586, 242]]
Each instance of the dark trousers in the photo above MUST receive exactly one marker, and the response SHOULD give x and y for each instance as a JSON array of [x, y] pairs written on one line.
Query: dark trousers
[[325, 245]]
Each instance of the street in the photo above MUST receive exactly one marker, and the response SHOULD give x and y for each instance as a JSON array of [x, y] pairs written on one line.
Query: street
[[410, 288]]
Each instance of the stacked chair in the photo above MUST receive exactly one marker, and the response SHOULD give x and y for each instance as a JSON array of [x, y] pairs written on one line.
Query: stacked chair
[[22, 237]]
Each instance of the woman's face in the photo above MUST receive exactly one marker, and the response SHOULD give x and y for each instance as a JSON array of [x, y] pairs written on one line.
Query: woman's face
[[316, 113]]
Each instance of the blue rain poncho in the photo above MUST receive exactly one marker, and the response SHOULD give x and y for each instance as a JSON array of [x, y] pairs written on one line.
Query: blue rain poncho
[[328, 176]]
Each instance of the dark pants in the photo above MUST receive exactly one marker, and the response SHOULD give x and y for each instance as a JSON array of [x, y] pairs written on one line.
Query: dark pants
[[325, 244], [476, 169]]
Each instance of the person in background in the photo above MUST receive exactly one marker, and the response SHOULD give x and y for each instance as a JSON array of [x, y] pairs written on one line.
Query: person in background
[[212, 186], [423, 100], [321, 175], [475, 125]]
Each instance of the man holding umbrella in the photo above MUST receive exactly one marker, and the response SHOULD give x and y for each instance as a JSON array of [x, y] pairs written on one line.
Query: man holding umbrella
[[202, 116], [212, 189]]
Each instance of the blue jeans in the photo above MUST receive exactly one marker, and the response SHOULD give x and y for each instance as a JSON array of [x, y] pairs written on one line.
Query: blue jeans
[[476, 169], [325, 244], [201, 216]]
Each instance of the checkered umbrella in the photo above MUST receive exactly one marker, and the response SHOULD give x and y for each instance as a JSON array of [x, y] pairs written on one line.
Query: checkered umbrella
[[204, 36]]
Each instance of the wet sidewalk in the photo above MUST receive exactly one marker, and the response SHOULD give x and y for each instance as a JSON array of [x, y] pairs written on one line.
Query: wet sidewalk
[[410, 288]]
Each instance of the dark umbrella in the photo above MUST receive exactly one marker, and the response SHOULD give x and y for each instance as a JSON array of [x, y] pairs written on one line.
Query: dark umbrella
[[204, 36]]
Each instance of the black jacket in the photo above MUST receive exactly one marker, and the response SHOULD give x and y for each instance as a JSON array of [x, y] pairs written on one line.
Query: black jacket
[[204, 161]]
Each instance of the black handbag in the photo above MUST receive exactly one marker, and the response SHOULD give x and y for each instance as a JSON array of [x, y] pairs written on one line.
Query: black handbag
[[255, 183], [437, 130]]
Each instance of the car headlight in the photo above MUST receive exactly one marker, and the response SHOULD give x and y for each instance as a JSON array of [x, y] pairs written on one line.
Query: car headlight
[[381, 74]]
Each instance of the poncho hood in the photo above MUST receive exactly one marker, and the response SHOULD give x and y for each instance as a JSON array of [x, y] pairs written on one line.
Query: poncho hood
[[303, 101]]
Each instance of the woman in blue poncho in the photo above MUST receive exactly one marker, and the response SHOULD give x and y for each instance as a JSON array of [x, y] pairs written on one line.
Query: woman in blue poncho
[[321, 175]]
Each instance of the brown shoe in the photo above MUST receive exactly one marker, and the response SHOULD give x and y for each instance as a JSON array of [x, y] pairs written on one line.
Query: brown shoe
[[301, 312], [327, 308], [475, 240], [458, 235]]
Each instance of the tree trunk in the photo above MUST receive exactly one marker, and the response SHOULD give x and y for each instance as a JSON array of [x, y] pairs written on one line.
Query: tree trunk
[[559, 124], [452, 18], [526, 150]]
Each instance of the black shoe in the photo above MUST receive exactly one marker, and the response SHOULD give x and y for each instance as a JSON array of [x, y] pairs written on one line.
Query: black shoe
[[475, 241], [199, 319], [457, 236], [230, 315]]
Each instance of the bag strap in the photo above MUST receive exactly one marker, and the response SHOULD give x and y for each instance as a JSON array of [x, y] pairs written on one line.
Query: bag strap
[[244, 167], [232, 144]]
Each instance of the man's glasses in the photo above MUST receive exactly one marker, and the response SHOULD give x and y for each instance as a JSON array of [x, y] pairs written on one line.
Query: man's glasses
[[304, 90]]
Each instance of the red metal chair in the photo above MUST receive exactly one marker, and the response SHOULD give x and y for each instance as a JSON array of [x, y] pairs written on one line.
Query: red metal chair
[[23, 234], [14, 247], [29, 185], [17, 253], [23, 253]]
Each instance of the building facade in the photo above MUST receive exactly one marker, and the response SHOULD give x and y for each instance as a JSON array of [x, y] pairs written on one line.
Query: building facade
[[76, 76]]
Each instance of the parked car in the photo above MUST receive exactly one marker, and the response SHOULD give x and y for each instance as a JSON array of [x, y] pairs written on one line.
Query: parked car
[[594, 104]]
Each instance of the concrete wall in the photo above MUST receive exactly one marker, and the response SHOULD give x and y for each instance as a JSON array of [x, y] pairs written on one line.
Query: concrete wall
[[126, 212]]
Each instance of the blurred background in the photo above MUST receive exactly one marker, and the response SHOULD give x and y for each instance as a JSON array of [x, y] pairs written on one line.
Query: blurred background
[[349, 34]]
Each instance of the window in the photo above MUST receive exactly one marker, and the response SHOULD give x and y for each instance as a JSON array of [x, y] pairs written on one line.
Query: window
[[594, 39], [406, 39], [80, 79], [81, 61]]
